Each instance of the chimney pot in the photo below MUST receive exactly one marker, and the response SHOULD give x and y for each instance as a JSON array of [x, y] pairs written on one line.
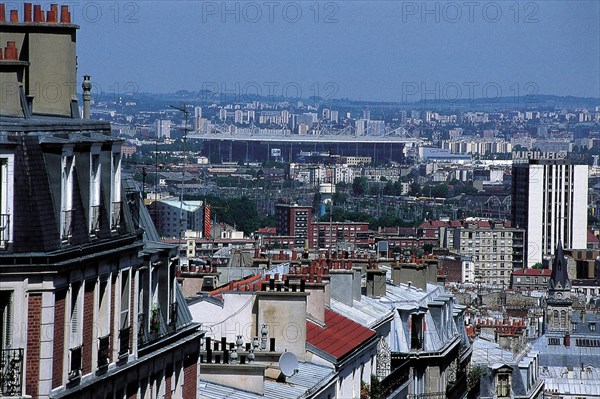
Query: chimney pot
[[50, 17], [14, 16], [27, 10], [65, 15], [2, 12]]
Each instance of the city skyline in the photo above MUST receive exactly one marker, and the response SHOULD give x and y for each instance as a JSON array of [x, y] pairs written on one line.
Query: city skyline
[[383, 51]]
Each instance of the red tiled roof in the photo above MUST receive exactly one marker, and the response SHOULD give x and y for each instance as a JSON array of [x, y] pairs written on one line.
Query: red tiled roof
[[266, 230], [438, 223], [340, 335], [591, 238], [533, 272]]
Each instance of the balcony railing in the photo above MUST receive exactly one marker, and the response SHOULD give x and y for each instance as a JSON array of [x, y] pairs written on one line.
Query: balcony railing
[[94, 219], [4, 230], [11, 372], [394, 380], [115, 220], [431, 395]]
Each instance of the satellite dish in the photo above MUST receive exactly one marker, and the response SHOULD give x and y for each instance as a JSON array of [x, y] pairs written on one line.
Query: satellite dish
[[288, 364]]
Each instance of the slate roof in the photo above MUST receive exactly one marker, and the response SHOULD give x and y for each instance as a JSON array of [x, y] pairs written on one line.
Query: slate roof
[[559, 277], [339, 337]]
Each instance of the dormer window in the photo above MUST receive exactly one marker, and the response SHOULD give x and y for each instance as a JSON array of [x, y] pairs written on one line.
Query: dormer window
[[95, 176], [6, 199], [416, 332], [503, 384], [66, 198], [116, 191]]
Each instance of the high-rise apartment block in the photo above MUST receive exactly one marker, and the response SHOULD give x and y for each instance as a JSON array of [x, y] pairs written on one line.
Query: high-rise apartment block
[[549, 200], [295, 221]]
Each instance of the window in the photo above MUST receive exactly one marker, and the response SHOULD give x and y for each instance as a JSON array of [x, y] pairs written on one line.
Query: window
[[592, 326], [124, 317], [95, 175], [66, 208], [75, 332], [416, 332], [75, 319], [6, 199], [116, 191], [503, 385], [5, 319]]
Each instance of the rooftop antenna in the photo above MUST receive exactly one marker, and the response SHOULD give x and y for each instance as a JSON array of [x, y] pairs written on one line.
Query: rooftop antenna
[[185, 131]]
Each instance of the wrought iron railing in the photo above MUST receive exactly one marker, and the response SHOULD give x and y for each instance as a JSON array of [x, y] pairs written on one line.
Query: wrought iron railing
[[11, 372], [394, 380], [124, 342], [67, 225], [115, 220], [94, 219], [4, 230], [431, 395]]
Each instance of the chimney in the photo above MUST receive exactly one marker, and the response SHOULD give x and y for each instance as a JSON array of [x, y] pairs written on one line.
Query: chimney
[[341, 285], [356, 283], [27, 10], [376, 284], [38, 15], [87, 96], [318, 299], [14, 16], [2, 12], [65, 15]]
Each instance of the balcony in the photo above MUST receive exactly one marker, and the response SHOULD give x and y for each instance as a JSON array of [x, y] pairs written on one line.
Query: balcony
[[4, 230], [395, 380], [431, 395], [11, 372]]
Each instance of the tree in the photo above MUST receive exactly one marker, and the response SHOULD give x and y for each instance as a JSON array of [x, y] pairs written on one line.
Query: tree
[[414, 189], [359, 185]]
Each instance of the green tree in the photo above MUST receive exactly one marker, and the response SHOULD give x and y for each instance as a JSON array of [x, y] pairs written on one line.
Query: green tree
[[359, 185]]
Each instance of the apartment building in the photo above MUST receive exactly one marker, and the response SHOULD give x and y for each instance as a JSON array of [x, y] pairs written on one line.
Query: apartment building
[[89, 301], [495, 247]]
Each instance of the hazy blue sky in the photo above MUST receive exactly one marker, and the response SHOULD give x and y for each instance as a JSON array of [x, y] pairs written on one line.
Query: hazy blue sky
[[366, 50]]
